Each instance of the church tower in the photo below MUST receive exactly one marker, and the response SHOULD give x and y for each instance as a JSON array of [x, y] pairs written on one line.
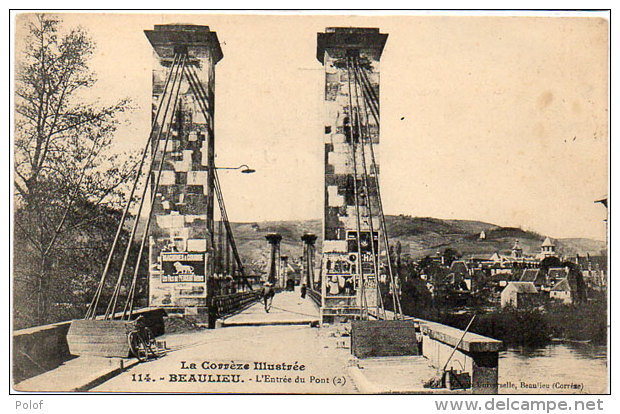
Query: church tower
[[547, 249]]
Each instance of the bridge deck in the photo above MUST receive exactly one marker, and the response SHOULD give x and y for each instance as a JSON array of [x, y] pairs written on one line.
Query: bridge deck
[[325, 363], [282, 336], [288, 308], [78, 374]]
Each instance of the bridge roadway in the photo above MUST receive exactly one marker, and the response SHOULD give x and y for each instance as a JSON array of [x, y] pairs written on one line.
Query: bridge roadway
[[250, 352], [281, 337], [288, 308]]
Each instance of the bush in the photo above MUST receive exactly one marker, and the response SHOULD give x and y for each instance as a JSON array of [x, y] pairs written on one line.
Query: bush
[[586, 321], [527, 327], [535, 326]]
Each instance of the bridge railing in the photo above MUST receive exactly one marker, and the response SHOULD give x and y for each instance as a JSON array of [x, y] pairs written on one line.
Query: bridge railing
[[476, 354], [315, 296], [227, 304]]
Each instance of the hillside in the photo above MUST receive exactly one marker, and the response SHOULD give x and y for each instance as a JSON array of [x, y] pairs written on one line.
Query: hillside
[[419, 236]]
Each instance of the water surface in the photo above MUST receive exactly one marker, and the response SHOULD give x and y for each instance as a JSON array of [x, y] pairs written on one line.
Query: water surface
[[554, 369]]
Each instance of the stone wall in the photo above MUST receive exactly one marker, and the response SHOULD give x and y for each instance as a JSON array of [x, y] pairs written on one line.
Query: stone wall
[[39, 349], [476, 354], [42, 348], [383, 338]]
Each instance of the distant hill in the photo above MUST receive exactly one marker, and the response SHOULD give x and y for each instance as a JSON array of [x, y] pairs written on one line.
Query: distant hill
[[573, 246], [419, 236]]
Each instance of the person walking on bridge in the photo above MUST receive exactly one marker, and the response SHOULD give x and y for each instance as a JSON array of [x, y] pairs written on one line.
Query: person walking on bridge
[[268, 294]]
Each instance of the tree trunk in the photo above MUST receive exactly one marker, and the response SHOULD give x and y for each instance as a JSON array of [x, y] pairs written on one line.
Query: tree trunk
[[42, 311]]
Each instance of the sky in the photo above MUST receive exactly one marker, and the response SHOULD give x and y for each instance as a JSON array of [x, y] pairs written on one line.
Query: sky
[[498, 119]]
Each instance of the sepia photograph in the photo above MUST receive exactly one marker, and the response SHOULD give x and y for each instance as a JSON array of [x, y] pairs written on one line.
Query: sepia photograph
[[316, 202]]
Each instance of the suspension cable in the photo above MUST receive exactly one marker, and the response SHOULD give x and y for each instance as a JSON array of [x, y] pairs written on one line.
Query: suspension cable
[[200, 93], [177, 82], [112, 304], [397, 308], [209, 120], [357, 209], [229, 234], [92, 308], [369, 93], [368, 195], [131, 294], [367, 186]]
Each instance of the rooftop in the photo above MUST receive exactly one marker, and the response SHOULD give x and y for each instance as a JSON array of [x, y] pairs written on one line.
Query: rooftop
[[530, 275], [521, 287], [459, 266], [548, 243], [557, 272], [562, 286]]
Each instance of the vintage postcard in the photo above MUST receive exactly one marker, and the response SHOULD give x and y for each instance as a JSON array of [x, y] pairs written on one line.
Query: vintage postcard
[[310, 203]]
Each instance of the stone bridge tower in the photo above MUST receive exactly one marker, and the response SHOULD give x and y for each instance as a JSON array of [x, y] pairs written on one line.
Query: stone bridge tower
[[348, 275], [181, 232]]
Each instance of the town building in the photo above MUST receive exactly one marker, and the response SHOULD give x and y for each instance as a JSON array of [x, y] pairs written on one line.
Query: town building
[[547, 249], [519, 295], [594, 270], [562, 291], [556, 274], [536, 276], [517, 250], [459, 275], [516, 258]]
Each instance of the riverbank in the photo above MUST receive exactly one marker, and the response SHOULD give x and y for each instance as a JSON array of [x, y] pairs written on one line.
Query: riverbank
[[536, 326]]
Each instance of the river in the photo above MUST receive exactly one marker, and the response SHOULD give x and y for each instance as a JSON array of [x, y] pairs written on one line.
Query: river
[[555, 369]]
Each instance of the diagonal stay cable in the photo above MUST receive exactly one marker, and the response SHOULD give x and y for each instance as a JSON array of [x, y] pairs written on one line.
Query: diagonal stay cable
[[369, 93], [202, 98], [92, 308], [229, 233], [113, 301], [199, 92], [130, 297], [367, 190], [398, 308], [193, 80], [371, 102], [367, 84], [110, 310], [361, 133], [355, 198]]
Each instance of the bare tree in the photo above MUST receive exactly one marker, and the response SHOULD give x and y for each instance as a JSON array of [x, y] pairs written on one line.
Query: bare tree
[[65, 178]]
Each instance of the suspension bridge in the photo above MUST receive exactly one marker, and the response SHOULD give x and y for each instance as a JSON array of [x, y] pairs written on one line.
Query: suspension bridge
[[344, 322]]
